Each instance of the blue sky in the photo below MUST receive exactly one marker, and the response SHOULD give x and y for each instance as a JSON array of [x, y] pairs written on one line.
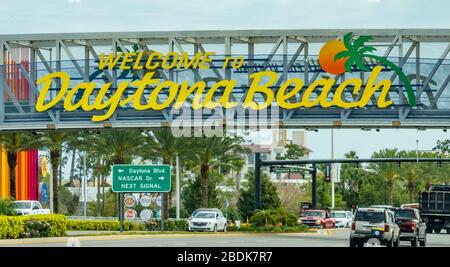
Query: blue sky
[[33, 16], [41, 16]]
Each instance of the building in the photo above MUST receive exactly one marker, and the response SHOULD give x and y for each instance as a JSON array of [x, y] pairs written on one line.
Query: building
[[274, 151]]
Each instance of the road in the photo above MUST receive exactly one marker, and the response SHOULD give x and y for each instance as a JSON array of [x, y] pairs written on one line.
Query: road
[[324, 238]]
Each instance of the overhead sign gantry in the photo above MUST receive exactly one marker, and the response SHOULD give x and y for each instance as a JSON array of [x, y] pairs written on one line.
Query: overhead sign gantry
[[390, 84]]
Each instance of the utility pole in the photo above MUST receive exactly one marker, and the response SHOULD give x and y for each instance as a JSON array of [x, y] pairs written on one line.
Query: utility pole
[[314, 186], [178, 185], [51, 192], [84, 186], [257, 204], [332, 169]]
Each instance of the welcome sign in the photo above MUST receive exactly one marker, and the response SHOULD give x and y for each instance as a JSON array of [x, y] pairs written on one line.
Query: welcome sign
[[336, 57]]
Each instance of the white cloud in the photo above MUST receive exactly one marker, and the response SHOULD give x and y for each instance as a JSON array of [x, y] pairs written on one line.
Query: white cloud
[[74, 1]]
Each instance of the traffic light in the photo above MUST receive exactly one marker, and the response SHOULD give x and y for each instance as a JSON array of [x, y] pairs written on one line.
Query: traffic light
[[328, 173]]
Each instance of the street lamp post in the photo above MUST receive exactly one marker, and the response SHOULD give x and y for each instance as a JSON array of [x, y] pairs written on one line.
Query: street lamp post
[[332, 167], [84, 187], [178, 185]]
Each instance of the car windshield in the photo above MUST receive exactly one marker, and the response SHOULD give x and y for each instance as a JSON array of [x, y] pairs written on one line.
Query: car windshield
[[22, 205], [313, 213], [405, 214], [205, 215], [370, 216], [337, 215]]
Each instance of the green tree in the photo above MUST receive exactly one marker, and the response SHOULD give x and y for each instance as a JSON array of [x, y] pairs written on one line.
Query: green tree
[[389, 171], [7, 207], [193, 197], [68, 202], [357, 51], [162, 145], [269, 195], [410, 173], [293, 151], [443, 146], [352, 178], [11, 144], [214, 150], [54, 141], [118, 146]]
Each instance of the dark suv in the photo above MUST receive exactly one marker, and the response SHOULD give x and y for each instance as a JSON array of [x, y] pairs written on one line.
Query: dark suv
[[412, 227]]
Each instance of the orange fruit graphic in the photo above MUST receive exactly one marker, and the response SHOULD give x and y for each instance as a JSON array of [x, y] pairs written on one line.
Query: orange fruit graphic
[[327, 54]]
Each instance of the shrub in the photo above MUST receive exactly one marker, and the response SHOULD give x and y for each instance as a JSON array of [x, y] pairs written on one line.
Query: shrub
[[273, 217], [111, 225], [87, 225], [232, 214], [7, 208], [11, 227], [57, 222], [36, 228], [32, 226]]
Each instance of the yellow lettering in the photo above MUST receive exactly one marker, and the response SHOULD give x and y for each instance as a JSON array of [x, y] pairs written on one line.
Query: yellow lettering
[[371, 87], [306, 98], [209, 98], [193, 63], [137, 62], [173, 57], [127, 58], [185, 92], [84, 101], [338, 95], [153, 101], [110, 60], [282, 96], [149, 64], [206, 59], [255, 87], [47, 82], [112, 102]]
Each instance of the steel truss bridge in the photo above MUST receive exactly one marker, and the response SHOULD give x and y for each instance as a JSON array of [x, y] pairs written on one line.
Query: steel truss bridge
[[290, 53]]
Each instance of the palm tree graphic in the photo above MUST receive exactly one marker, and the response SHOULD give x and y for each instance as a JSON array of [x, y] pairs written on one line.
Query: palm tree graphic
[[357, 51]]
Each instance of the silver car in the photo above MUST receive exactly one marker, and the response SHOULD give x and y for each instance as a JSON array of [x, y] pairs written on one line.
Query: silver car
[[374, 226], [207, 220], [343, 218]]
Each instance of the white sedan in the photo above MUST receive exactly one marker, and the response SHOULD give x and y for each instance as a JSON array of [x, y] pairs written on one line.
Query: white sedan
[[343, 218], [210, 221]]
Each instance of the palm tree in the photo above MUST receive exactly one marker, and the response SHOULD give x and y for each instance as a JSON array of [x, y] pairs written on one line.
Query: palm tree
[[214, 149], [54, 142], [352, 176], [410, 172], [389, 171], [357, 51], [13, 143], [117, 146], [428, 172], [161, 144]]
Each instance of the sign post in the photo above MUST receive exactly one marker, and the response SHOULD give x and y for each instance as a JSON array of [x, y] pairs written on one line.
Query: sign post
[[128, 178]]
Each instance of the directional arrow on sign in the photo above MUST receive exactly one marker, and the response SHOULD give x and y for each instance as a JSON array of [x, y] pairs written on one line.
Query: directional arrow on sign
[[120, 170], [161, 178]]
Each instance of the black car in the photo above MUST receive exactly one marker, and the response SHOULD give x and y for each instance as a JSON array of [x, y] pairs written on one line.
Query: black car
[[412, 227]]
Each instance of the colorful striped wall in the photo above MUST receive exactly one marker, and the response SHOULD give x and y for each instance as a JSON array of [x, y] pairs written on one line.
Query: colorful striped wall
[[26, 175], [15, 80]]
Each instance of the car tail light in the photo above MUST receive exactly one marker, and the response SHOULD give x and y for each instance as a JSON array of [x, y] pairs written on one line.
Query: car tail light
[[386, 227], [353, 226], [410, 225]]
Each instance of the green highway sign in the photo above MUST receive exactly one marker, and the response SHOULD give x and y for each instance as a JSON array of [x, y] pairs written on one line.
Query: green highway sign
[[140, 178]]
